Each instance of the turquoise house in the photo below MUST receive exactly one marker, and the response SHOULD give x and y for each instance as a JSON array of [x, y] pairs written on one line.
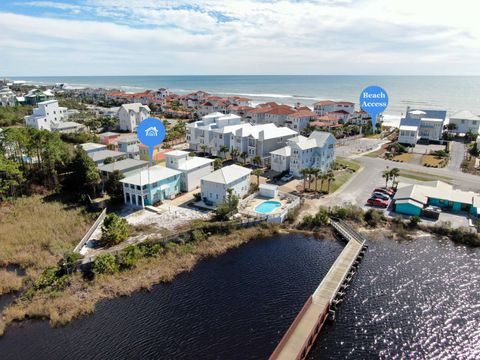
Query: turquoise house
[[412, 199], [150, 186]]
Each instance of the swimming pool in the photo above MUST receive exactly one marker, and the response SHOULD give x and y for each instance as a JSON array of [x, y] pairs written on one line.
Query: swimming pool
[[267, 207]]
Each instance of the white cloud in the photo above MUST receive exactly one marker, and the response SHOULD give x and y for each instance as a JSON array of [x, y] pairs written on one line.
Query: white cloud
[[243, 37]]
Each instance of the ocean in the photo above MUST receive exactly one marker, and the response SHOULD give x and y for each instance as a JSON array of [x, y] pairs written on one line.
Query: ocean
[[453, 93]]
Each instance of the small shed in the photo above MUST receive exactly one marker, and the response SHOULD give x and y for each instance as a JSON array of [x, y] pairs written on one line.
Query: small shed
[[268, 190]]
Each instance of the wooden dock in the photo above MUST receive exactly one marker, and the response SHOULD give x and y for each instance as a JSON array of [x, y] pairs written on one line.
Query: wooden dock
[[300, 337]]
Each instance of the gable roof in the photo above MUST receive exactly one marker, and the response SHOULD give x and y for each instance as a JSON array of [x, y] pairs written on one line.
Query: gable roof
[[465, 115], [227, 174], [150, 175]]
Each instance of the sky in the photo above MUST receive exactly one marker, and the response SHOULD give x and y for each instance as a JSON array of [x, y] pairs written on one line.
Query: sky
[[204, 37]]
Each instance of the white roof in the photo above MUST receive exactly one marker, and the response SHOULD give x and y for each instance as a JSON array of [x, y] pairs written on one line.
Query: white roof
[[213, 115], [67, 125], [150, 176], [134, 107], [417, 112], [408, 127], [123, 165], [227, 174], [285, 151], [316, 139], [269, 187], [92, 146], [270, 131], [108, 133], [177, 153], [104, 154], [47, 102], [438, 190], [432, 119], [465, 115], [194, 163]]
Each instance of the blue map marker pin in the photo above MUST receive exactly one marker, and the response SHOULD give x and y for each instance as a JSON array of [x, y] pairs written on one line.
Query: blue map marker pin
[[151, 133], [373, 100]]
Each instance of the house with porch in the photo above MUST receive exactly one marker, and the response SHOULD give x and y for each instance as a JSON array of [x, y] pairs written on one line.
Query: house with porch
[[214, 186], [465, 121], [151, 185]]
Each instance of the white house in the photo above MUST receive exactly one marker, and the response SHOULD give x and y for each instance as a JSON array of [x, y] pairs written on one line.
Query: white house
[[316, 151], [129, 145], [46, 116], [328, 106], [7, 96], [215, 185], [421, 124], [131, 115], [280, 159], [465, 121], [92, 147], [192, 168]]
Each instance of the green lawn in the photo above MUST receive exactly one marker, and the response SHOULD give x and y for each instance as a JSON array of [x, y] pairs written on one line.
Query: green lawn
[[352, 164], [416, 175]]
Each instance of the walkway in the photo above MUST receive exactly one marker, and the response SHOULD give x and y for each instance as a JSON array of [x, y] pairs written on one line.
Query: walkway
[[301, 335]]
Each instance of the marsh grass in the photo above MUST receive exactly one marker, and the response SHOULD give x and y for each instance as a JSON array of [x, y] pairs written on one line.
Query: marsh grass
[[9, 281], [35, 233]]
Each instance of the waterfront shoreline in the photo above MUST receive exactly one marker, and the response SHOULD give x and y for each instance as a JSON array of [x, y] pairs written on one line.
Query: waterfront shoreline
[[81, 297]]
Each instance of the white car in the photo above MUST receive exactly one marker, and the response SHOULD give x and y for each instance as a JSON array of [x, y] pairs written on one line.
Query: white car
[[287, 177]]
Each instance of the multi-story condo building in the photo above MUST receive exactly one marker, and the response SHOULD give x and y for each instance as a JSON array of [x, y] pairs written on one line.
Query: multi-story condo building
[[421, 124], [327, 106], [465, 121], [316, 151], [218, 131], [131, 115]]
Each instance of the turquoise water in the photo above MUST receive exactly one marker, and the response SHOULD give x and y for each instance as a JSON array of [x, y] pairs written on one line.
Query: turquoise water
[[452, 93], [267, 207]]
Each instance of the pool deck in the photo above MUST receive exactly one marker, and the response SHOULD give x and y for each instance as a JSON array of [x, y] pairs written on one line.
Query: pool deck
[[253, 203]]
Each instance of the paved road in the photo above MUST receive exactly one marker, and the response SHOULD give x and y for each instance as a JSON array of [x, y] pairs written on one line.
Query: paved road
[[359, 188], [457, 154]]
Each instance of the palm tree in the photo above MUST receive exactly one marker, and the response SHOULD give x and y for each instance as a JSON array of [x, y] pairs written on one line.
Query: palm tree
[[257, 173], [204, 148], [315, 172], [234, 153], [305, 172], [386, 176], [330, 176], [224, 150], [257, 160], [323, 177], [394, 173], [244, 156]]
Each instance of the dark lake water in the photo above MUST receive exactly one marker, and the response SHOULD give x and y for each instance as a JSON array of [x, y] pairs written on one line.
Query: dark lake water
[[418, 299]]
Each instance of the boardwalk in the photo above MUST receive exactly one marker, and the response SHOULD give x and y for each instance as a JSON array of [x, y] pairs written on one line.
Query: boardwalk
[[301, 335]]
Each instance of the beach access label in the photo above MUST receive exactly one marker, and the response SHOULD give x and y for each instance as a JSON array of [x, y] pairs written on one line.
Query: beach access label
[[151, 133], [373, 100]]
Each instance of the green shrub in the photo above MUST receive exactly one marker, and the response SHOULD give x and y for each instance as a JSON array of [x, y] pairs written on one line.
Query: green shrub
[[105, 264], [198, 235], [128, 257], [114, 230], [150, 250], [52, 277], [414, 221], [374, 217]]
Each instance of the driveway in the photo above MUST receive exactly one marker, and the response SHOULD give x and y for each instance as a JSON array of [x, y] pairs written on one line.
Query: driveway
[[457, 154]]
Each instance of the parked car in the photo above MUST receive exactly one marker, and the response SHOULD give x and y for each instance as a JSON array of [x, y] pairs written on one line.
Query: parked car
[[390, 192], [378, 202], [380, 195], [287, 178]]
